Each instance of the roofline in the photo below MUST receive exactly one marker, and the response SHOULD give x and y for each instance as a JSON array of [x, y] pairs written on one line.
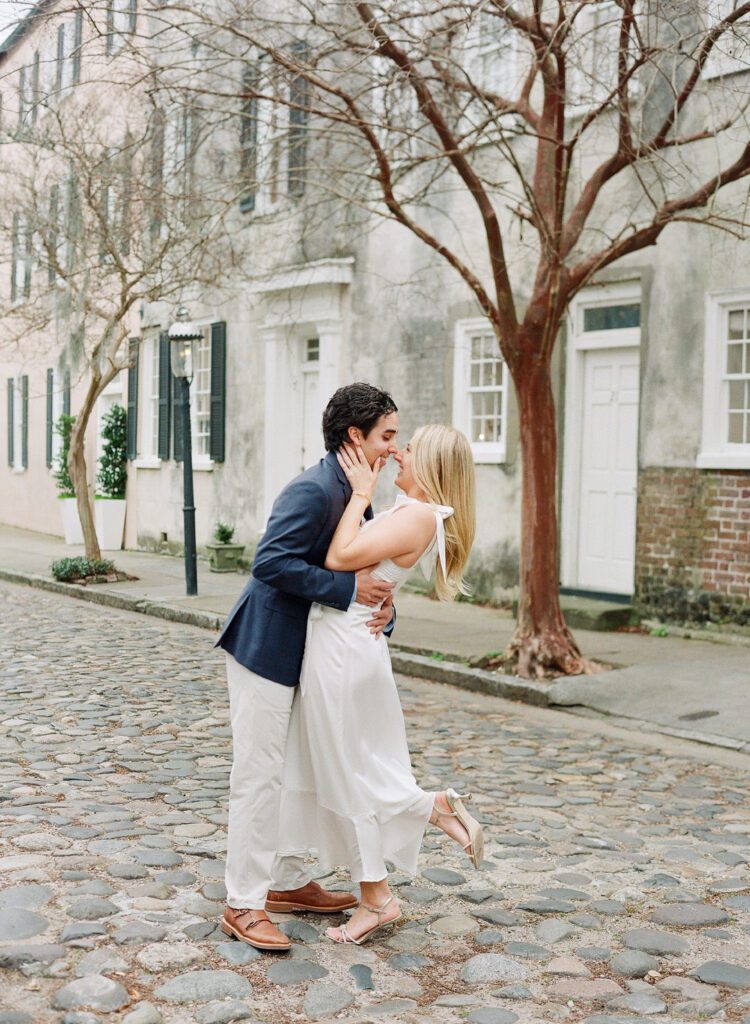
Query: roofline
[[22, 29]]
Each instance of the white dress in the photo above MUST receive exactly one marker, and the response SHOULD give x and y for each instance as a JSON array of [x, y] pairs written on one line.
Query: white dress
[[349, 793]]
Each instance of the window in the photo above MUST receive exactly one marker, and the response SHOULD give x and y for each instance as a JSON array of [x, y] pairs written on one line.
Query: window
[[18, 422], [21, 258], [592, 56], [726, 405], [29, 84], [731, 52], [273, 134], [493, 61], [67, 64], [249, 137], [480, 390], [149, 428], [612, 318], [122, 21], [174, 151], [200, 397]]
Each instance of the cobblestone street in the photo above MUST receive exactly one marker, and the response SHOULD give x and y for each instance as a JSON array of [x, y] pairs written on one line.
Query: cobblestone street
[[616, 883]]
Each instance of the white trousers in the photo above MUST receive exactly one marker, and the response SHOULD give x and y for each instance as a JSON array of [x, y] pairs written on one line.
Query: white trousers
[[259, 710]]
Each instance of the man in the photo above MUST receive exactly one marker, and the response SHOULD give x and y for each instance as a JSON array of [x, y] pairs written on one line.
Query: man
[[264, 638]]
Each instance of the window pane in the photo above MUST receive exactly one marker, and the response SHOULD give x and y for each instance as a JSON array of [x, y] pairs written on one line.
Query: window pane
[[747, 358], [312, 350], [736, 428], [485, 419], [737, 395], [611, 318], [737, 324], [734, 358]]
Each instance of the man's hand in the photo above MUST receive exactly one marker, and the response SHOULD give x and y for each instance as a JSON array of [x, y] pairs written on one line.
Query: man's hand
[[381, 618], [371, 591]]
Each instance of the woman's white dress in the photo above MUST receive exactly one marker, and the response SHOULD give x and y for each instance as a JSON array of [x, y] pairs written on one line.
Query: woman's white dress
[[349, 792]]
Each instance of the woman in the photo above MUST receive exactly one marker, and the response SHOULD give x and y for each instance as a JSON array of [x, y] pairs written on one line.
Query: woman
[[349, 790]]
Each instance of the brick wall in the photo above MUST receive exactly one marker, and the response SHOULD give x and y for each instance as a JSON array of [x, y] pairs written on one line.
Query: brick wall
[[693, 545]]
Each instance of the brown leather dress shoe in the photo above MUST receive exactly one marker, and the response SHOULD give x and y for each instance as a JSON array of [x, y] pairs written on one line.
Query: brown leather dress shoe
[[254, 928], [311, 897]]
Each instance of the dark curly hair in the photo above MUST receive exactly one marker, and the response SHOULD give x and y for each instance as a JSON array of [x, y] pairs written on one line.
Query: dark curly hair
[[355, 405]]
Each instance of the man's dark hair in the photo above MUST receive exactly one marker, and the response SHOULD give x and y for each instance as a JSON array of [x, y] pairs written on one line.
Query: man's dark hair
[[355, 405]]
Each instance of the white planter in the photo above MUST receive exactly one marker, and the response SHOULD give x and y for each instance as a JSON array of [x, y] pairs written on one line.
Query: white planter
[[109, 519], [70, 522]]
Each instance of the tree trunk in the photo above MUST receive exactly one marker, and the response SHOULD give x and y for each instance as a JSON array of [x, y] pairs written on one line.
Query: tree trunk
[[542, 644], [78, 471]]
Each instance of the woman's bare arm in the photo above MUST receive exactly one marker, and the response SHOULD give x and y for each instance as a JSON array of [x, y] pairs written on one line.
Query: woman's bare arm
[[404, 535]]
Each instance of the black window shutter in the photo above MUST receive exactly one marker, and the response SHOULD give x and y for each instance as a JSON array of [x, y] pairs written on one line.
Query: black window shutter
[[66, 393], [50, 414], [35, 83], [132, 419], [218, 390], [249, 137], [11, 422], [54, 221], [21, 96], [177, 431], [299, 99], [110, 44], [28, 240], [77, 44], [60, 69], [165, 393], [25, 421], [14, 257]]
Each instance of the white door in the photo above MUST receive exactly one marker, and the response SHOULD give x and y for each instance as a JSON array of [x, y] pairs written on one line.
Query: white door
[[609, 456]]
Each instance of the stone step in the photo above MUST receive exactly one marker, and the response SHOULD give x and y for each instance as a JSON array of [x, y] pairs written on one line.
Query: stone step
[[593, 613]]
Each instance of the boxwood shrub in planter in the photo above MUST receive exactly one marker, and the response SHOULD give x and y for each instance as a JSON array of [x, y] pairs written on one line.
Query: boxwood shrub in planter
[[109, 505], [71, 523], [223, 555]]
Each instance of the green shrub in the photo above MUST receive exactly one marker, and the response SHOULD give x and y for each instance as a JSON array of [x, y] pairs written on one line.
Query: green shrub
[[68, 569], [63, 427], [113, 469], [223, 533]]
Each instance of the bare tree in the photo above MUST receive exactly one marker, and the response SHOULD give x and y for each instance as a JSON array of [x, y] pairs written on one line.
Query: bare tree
[[566, 133], [110, 203]]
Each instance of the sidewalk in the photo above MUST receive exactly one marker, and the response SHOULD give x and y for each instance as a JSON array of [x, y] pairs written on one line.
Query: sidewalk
[[685, 687]]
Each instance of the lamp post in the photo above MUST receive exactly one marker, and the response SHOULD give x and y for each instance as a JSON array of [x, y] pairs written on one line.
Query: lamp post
[[182, 337]]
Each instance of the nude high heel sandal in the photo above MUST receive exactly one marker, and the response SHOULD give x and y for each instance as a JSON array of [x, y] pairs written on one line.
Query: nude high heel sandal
[[379, 927], [475, 847]]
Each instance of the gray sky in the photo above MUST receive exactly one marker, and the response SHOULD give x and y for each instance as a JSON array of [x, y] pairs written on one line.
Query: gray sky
[[11, 11]]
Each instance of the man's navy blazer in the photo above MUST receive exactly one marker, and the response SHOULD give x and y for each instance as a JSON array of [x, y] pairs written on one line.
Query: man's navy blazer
[[267, 627]]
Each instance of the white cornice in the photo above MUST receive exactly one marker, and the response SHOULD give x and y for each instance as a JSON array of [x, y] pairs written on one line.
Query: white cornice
[[306, 275]]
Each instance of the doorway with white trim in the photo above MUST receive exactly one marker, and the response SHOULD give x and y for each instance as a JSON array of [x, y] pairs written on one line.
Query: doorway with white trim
[[600, 468]]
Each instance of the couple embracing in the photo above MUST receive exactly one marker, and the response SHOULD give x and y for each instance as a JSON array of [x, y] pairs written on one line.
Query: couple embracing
[[320, 753]]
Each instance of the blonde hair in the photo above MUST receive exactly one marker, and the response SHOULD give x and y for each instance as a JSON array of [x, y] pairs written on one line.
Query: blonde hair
[[443, 467]]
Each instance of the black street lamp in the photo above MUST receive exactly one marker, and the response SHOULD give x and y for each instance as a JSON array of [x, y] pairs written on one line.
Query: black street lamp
[[182, 337]]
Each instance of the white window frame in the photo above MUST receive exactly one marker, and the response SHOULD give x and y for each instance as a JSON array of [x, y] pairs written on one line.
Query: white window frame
[[18, 466], [148, 403], [717, 452], [730, 55], [584, 93], [493, 57], [484, 452], [201, 460], [121, 24], [272, 141]]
